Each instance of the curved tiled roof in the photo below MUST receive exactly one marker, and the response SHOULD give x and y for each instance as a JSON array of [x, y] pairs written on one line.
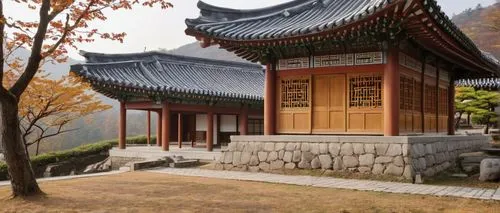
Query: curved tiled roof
[[165, 75], [303, 18], [491, 83]]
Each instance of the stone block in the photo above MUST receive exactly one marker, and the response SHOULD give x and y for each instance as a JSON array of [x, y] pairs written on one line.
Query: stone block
[[358, 148], [334, 149], [253, 169], [422, 164], [249, 147], [394, 150], [232, 146], [259, 146], [315, 163], [378, 169], [296, 156], [245, 157], [281, 154], [228, 166], [365, 170], [304, 147], [307, 157], [264, 166], [429, 149], [304, 165], [269, 147], [408, 173], [440, 157], [228, 157], [254, 161], [240, 146], [350, 161], [290, 166], [394, 170], [272, 156], [430, 160], [287, 157], [490, 170], [429, 172], [346, 149], [314, 148], [383, 159], [262, 156], [278, 164], [381, 149], [337, 163], [279, 146], [366, 160], [398, 161], [404, 147], [237, 158], [290, 147], [323, 148], [326, 161], [219, 166], [370, 149]]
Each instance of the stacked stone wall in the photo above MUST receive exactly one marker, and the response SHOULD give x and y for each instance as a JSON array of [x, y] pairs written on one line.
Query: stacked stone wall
[[394, 156]]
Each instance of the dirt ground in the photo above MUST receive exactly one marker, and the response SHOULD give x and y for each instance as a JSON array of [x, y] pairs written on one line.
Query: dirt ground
[[151, 192]]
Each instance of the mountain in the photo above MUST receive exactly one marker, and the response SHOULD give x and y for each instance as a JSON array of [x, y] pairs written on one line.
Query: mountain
[[213, 52], [482, 25]]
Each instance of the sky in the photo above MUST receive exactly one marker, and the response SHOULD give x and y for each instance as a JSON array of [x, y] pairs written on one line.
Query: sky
[[153, 28]]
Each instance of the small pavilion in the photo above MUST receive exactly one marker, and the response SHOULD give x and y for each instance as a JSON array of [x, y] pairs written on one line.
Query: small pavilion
[[357, 67], [196, 99]]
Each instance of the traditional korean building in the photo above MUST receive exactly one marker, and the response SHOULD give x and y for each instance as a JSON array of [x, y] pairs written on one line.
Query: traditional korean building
[[357, 67], [197, 100]]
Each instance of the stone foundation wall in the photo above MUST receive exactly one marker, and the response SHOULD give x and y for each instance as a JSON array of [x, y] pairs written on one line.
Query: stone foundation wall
[[117, 162], [396, 156]]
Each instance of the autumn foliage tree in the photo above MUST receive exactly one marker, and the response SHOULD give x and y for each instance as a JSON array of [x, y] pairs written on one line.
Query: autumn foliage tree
[[61, 24]]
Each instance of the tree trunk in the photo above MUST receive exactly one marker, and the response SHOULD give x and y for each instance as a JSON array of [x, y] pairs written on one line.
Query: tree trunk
[[37, 148], [457, 121], [21, 174], [487, 129]]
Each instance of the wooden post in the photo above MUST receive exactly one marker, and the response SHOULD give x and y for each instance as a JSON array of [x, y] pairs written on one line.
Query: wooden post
[[210, 131], [422, 92], [179, 129], [149, 128], [122, 128], [391, 93], [165, 127], [158, 129], [243, 120], [437, 93], [270, 100], [451, 107]]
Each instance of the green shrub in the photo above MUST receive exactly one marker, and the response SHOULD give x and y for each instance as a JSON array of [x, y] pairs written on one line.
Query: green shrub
[[80, 151]]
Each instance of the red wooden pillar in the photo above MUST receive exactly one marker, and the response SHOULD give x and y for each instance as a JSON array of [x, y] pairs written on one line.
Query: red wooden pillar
[[179, 129], [158, 130], [243, 121], [165, 144], [270, 100], [122, 128], [438, 79], [149, 128], [451, 107], [391, 93], [210, 131]]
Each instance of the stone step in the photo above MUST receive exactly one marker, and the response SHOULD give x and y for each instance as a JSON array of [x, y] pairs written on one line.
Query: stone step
[[184, 163]]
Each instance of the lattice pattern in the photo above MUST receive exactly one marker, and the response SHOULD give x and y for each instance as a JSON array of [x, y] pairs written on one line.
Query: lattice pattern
[[443, 101], [430, 99], [406, 93], [417, 98], [365, 91], [295, 93]]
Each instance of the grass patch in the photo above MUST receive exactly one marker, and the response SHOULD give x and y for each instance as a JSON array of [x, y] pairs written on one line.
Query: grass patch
[[152, 192]]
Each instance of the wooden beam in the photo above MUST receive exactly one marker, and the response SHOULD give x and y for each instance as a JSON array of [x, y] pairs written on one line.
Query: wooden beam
[[391, 93], [159, 129], [149, 128], [179, 129], [243, 121], [422, 90], [451, 106], [270, 100], [122, 127], [438, 69]]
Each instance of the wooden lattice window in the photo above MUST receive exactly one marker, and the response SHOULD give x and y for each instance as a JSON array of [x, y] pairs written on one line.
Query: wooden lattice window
[[443, 101], [295, 93], [417, 98], [365, 91], [430, 99], [406, 92]]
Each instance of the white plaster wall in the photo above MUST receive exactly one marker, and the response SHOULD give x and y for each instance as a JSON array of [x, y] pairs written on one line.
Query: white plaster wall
[[228, 123], [201, 124]]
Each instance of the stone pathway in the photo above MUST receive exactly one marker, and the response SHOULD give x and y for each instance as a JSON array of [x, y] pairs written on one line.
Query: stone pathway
[[338, 183], [7, 183]]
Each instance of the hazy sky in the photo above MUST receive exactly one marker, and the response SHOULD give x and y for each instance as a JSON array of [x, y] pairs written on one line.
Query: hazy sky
[[151, 29]]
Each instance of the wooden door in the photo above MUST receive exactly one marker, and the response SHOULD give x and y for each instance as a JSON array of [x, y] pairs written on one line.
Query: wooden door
[[329, 104]]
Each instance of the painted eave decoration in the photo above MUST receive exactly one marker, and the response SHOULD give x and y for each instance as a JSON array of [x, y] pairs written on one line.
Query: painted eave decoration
[[482, 83], [251, 33], [159, 76]]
